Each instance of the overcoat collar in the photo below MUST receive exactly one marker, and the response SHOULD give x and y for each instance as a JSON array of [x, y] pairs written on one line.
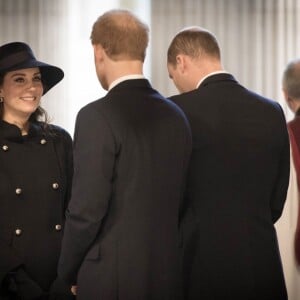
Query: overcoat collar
[[216, 78], [131, 84], [13, 133]]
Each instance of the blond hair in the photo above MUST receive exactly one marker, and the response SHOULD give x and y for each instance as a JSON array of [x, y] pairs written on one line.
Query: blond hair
[[121, 34]]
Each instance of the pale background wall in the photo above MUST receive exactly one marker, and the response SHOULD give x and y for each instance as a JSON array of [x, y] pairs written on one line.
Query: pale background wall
[[257, 37]]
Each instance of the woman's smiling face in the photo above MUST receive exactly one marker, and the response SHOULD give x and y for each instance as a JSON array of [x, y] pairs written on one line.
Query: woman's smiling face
[[22, 91]]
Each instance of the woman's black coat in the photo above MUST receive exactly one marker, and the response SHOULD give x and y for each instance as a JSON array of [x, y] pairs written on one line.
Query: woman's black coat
[[35, 179]]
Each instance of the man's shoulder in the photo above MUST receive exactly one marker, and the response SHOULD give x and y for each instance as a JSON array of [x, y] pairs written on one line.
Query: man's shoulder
[[265, 102], [186, 97], [95, 105]]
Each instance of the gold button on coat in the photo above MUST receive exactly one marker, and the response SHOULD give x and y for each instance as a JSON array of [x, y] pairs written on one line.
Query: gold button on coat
[[43, 141], [18, 191], [18, 231], [4, 147], [58, 227], [55, 185]]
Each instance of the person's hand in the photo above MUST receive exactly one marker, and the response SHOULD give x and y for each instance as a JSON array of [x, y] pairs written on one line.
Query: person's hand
[[74, 290], [60, 290]]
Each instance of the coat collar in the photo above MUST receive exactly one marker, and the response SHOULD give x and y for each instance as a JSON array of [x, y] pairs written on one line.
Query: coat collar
[[12, 132], [131, 83], [217, 78], [123, 78]]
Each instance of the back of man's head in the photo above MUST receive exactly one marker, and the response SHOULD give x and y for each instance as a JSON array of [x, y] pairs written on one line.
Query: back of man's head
[[194, 42], [291, 79], [121, 34]]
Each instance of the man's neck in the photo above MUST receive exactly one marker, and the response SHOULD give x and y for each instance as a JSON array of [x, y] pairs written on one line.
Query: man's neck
[[118, 69]]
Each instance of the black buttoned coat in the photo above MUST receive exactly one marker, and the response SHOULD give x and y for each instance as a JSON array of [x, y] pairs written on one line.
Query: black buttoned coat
[[35, 178], [121, 240], [238, 178]]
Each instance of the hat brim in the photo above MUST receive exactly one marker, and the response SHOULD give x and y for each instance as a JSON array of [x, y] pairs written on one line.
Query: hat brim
[[51, 75]]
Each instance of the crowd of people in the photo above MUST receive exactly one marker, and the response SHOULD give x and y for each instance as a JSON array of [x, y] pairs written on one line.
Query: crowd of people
[[155, 198]]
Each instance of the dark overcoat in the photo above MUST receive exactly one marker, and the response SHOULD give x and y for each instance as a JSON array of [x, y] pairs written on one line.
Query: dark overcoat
[[131, 150], [238, 178], [35, 179]]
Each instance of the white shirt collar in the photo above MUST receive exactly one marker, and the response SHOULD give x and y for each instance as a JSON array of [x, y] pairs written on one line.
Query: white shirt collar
[[210, 74], [126, 77]]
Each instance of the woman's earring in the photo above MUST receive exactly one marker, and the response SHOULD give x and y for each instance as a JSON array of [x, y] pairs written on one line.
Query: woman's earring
[[1, 99]]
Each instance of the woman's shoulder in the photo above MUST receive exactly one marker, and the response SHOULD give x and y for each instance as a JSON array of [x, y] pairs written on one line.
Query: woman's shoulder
[[58, 129], [53, 131]]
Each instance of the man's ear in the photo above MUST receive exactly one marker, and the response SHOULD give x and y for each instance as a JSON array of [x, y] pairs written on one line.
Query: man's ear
[[98, 52], [181, 62], [285, 94], [290, 101]]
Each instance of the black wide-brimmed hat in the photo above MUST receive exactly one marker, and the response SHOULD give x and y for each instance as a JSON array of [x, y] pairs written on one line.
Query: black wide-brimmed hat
[[17, 55]]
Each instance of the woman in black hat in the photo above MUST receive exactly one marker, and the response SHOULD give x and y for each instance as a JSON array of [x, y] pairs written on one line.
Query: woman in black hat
[[35, 178]]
